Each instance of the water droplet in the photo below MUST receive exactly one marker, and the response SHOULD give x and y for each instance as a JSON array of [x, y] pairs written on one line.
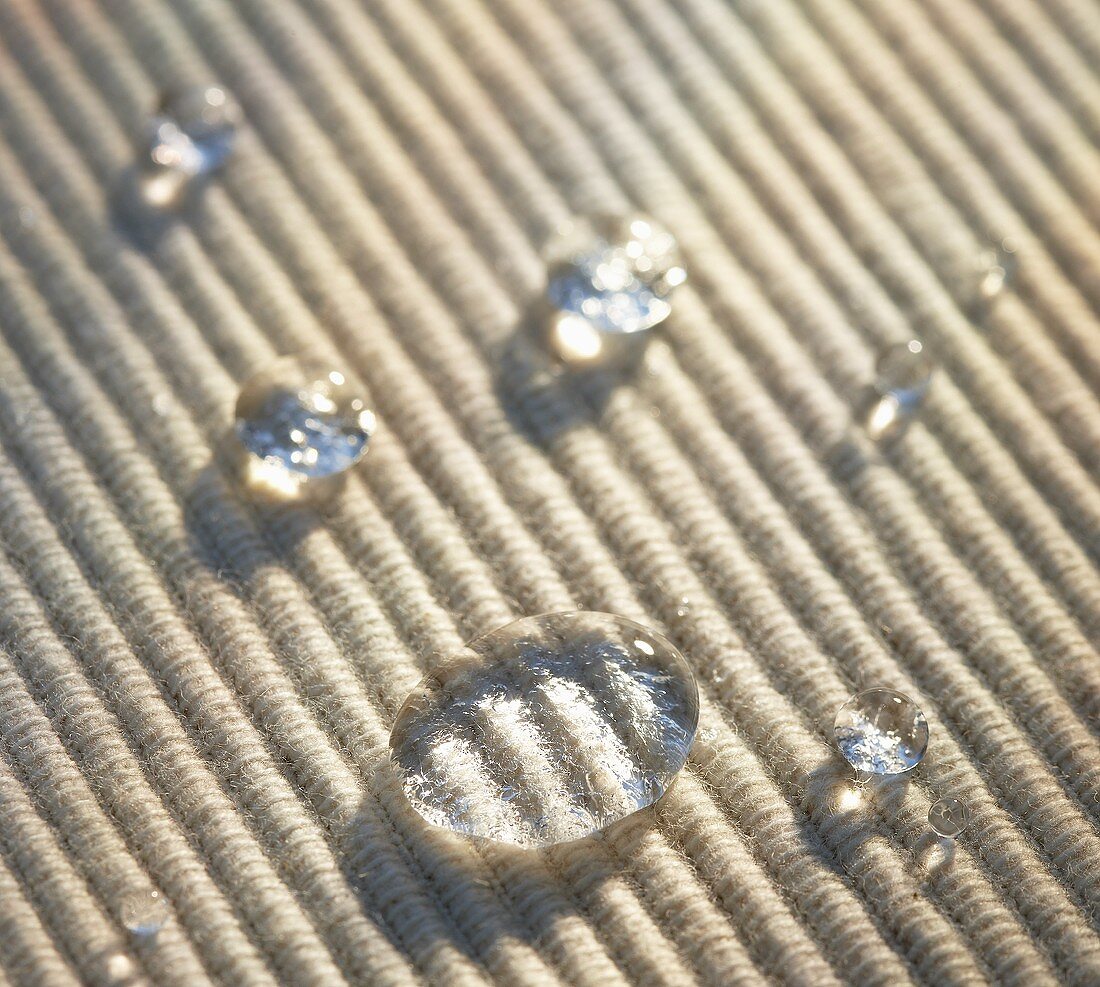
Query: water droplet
[[881, 731], [609, 277], [145, 913], [996, 268], [191, 136], [949, 817], [548, 729], [302, 423], [902, 378]]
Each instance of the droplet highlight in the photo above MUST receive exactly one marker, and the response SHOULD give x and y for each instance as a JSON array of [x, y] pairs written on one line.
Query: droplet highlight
[[302, 423], [610, 280], [191, 136], [903, 375], [119, 970], [145, 913], [949, 817], [547, 730], [881, 732]]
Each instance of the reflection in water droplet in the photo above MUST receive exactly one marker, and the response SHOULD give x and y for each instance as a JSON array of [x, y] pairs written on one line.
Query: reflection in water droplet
[[949, 817], [190, 137], [996, 268], [881, 731], [610, 279], [548, 729], [144, 913], [302, 423], [902, 378]]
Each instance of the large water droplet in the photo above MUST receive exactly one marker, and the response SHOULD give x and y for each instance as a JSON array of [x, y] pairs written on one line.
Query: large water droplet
[[190, 136], [609, 277], [902, 378], [301, 422], [949, 817], [881, 731], [548, 729], [144, 913]]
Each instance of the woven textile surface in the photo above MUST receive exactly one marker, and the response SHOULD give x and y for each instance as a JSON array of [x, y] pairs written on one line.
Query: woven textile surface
[[196, 690]]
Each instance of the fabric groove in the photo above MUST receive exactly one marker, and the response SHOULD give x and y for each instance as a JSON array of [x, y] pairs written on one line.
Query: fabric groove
[[195, 690]]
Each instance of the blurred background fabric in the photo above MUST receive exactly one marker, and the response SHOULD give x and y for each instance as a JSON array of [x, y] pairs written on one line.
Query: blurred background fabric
[[196, 690]]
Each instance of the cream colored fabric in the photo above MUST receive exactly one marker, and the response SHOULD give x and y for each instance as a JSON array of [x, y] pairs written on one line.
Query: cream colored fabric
[[195, 692]]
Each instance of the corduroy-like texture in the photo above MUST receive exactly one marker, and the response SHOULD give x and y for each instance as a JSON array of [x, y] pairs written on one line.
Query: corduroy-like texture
[[196, 691]]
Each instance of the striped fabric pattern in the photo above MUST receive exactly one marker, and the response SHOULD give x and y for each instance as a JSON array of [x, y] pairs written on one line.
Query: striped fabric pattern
[[196, 690]]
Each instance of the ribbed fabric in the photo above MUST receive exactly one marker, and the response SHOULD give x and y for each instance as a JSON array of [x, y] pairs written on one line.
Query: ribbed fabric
[[196, 690]]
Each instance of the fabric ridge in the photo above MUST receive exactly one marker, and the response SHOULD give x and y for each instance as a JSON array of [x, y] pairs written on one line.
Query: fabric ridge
[[197, 689]]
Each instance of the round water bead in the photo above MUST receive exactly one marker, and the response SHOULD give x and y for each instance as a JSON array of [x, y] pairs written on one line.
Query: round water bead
[[145, 913], [881, 731], [949, 817], [548, 729], [301, 422], [190, 136], [609, 277], [902, 378]]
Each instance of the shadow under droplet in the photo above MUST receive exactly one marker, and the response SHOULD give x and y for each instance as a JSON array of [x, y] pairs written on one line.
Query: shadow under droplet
[[472, 893], [423, 865], [847, 460], [146, 203], [556, 374], [935, 853], [223, 511], [835, 786]]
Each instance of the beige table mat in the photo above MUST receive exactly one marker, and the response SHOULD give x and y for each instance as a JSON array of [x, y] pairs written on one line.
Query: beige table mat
[[195, 692]]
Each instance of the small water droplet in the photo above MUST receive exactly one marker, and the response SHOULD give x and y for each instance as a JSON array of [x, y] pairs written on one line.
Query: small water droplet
[[547, 730], [28, 218], [903, 375], [881, 731], [191, 135], [610, 279], [997, 266], [949, 817], [302, 423], [145, 913]]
